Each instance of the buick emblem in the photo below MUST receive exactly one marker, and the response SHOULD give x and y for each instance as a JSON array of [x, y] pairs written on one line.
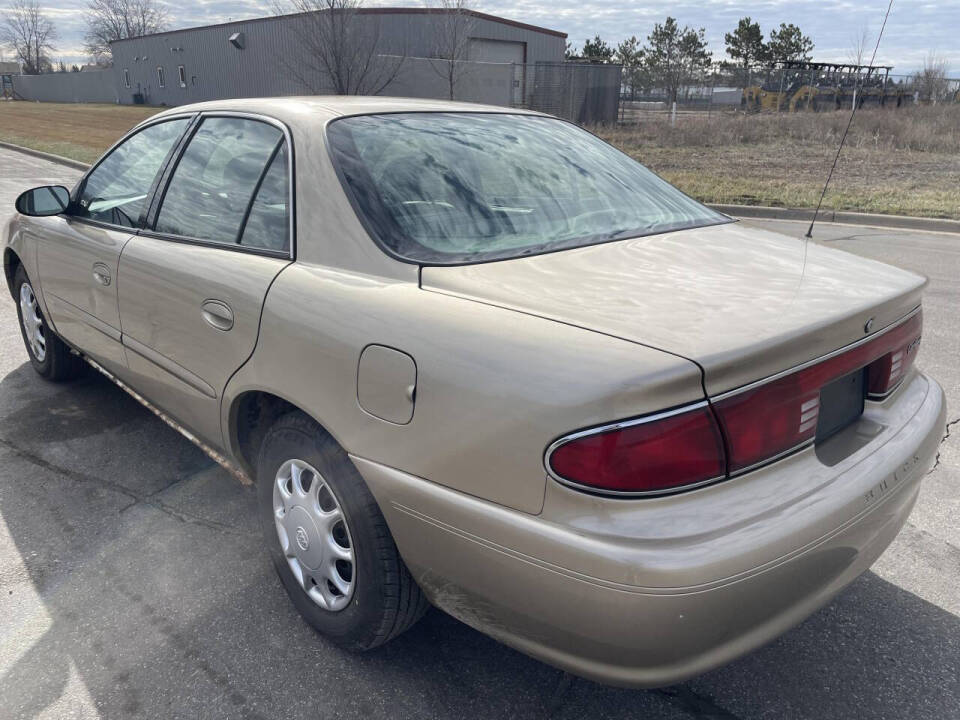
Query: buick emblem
[[302, 539], [868, 326]]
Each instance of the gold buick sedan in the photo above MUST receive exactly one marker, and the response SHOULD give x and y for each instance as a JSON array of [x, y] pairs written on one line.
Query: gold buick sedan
[[478, 358]]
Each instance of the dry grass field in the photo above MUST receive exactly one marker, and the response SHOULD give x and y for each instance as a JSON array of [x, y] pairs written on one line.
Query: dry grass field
[[902, 162], [81, 132]]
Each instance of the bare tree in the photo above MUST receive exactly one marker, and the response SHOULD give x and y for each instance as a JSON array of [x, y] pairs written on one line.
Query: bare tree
[[109, 20], [859, 51], [452, 29], [340, 48], [931, 81], [28, 32]]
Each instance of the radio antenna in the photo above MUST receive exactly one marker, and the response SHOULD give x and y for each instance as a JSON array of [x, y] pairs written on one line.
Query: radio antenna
[[853, 111]]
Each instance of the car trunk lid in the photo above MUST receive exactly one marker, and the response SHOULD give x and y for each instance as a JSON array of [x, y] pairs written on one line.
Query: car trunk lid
[[742, 302]]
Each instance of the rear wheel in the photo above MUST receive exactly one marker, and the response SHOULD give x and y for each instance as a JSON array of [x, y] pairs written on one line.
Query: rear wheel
[[328, 540], [49, 355]]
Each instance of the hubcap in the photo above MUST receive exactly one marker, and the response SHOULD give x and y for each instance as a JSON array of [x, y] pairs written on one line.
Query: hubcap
[[32, 322], [314, 535]]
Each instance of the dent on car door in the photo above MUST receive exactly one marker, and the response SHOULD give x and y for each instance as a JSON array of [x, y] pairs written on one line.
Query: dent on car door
[[193, 283], [78, 251]]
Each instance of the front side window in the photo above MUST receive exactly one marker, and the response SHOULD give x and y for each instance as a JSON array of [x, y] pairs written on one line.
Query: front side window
[[116, 190], [211, 193], [161, 81], [445, 188]]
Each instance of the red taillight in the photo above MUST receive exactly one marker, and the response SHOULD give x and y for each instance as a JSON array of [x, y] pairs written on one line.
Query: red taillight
[[684, 448], [653, 454], [886, 372], [777, 416], [769, 420]]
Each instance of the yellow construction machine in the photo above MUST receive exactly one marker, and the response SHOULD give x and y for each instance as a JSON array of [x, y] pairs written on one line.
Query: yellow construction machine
[[795, 86]]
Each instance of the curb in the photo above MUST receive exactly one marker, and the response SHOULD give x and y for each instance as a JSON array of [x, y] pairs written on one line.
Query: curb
[[904, 222], [50, 157]]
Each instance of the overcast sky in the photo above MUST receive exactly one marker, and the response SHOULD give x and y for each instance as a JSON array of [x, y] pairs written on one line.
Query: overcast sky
[[915, 29]]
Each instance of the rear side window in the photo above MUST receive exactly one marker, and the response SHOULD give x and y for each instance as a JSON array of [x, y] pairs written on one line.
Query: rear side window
[[225, 176], [116, 190]]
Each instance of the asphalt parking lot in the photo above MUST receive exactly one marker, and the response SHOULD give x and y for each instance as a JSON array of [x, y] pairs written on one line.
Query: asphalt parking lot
[[132, 583]]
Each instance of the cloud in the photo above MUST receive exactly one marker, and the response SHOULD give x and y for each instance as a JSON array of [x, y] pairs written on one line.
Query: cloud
[[915, 29]]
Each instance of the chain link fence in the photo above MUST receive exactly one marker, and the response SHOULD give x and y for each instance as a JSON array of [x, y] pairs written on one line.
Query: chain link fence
[[584, 93], [782, 90], [771, 138]]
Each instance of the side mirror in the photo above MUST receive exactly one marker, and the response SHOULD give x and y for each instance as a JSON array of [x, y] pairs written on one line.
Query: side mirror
[[43, 201]]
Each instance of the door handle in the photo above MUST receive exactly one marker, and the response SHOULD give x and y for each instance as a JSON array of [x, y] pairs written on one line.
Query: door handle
[[101, 273], [218, 314]]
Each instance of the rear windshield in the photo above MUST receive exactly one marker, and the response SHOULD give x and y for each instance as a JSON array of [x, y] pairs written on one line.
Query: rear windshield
[[451, 188]]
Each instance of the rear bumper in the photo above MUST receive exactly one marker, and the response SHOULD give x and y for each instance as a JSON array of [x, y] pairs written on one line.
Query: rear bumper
[[646, 593]]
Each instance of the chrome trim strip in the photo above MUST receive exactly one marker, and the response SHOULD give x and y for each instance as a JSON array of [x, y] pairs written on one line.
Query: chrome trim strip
[[773, 458], [815, 361], [647, 493], [619, 425], [880, 397]]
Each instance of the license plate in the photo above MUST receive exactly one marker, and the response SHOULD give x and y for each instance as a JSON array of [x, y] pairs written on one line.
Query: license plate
[[841, 403]]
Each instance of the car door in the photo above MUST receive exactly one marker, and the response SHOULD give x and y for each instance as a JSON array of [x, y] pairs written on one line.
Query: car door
[[78, 251], [192, 284]]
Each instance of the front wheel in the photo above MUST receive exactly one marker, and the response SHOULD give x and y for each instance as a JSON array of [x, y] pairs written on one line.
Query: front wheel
[[328, 540], [49, 355]]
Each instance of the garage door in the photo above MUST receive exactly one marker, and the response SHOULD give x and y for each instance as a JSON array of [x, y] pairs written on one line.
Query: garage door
[[503, 51]]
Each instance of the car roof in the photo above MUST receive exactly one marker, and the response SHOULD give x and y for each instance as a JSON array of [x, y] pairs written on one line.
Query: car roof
[[318, 109]]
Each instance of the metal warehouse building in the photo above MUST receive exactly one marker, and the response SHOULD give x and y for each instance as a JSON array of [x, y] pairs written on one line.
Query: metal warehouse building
[[257, 58]]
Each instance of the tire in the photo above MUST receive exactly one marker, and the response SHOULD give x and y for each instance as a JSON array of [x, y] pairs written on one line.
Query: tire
[[383, 600], [50, 356]]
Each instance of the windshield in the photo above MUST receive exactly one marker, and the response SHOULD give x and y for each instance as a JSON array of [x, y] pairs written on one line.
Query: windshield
[[450, 188]]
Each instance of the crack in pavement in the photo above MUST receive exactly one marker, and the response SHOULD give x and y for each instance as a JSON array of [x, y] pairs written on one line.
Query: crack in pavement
[[926, 535], [936, 462], [137, 498], [854, 236]]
